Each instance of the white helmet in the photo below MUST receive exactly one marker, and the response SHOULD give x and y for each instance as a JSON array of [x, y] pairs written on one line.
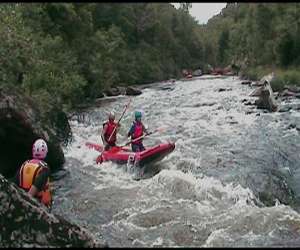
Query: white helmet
[[39, 149]]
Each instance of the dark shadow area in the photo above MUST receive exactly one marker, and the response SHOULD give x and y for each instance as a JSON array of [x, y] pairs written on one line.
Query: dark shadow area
[[15, 144]]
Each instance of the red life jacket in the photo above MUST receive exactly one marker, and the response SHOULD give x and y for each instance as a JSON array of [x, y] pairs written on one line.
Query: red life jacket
[[138, 132], [110, 128]]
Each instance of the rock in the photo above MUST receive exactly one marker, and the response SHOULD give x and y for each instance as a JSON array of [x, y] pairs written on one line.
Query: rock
[[264, 101], [248, 103], [256, 92], [246, 82], [100, 95], [133, 91], [257, 84], [197, 72], [287, 93], [115, 91], [266, 98], [292, 88], [21, 123], [25, 222], [224, 89], [285, 108], [167, 87], [270, 186], [291, 126]]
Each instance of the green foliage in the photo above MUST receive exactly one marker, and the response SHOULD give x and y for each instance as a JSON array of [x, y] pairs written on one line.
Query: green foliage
[[287, 77], [259, 34], [185, 7], [64, 53], [285, 50], [255, 73], [223, 45]]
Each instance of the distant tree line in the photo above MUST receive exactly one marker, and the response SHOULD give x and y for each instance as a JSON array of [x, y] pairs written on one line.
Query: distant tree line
[[66, 53]]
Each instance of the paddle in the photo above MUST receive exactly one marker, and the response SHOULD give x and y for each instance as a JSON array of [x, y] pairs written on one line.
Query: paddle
[[100, 148], [125, 108], [161, 129]]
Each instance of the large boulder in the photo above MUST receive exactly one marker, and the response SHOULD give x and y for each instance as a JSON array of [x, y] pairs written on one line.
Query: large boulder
[[21, 123], [133, 91], [197, 72], [115, 91], [25, 222], [266, 98], [257, 92], [287, 92], [264, 101], [246, 82], [292, 88]]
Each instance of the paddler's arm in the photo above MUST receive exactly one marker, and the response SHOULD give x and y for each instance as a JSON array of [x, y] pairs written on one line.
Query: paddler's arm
[[39, 182], [33, 191], [118, 126], [130, 132], [145, 130], [102, 135]]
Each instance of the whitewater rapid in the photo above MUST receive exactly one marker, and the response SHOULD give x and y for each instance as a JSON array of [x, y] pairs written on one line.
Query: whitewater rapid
[[206, 192]]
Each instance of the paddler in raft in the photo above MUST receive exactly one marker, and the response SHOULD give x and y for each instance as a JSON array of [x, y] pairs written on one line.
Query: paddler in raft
[[137, 130], [109, 132]]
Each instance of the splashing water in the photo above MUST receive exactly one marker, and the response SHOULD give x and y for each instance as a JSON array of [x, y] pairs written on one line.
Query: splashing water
[[209, 192]]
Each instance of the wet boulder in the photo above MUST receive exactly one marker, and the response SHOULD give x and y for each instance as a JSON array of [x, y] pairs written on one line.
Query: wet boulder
[[25, 222], [21, 123], [115, 91], [246, 82], [257, 92], [197, 72], [287, 92], [224, 89], [266, 98], [133, 91], [292, 88], [265, 102], [284, 108], [270, 186], [257, 84]]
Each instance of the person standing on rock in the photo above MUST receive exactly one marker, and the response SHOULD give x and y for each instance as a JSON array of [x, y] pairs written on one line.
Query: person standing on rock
[[109, 132], [136, 131], [33, 175]]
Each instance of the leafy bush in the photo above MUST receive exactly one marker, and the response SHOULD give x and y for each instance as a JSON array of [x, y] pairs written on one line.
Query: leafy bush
[[289, 77]]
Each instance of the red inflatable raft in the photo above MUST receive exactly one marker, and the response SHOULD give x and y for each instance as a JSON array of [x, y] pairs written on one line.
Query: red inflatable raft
[[122, 155]]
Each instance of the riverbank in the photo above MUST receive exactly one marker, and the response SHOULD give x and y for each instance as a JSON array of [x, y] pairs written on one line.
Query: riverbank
[[283, 77]]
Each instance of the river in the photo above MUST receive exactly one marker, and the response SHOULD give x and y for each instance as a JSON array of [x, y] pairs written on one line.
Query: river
[[218, 188]]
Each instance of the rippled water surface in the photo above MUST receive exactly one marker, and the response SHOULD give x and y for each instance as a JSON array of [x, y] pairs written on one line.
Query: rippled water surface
[[232, 180]]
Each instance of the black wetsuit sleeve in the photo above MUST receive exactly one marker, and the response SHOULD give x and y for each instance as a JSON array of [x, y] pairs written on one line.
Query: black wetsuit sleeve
[[41, 180]]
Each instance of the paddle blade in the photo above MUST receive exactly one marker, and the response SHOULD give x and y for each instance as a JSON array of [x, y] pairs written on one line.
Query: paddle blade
[[94, 146], [99, 159]]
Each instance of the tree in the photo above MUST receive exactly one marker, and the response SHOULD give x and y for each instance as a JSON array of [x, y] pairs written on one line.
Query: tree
[[185, 7]]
